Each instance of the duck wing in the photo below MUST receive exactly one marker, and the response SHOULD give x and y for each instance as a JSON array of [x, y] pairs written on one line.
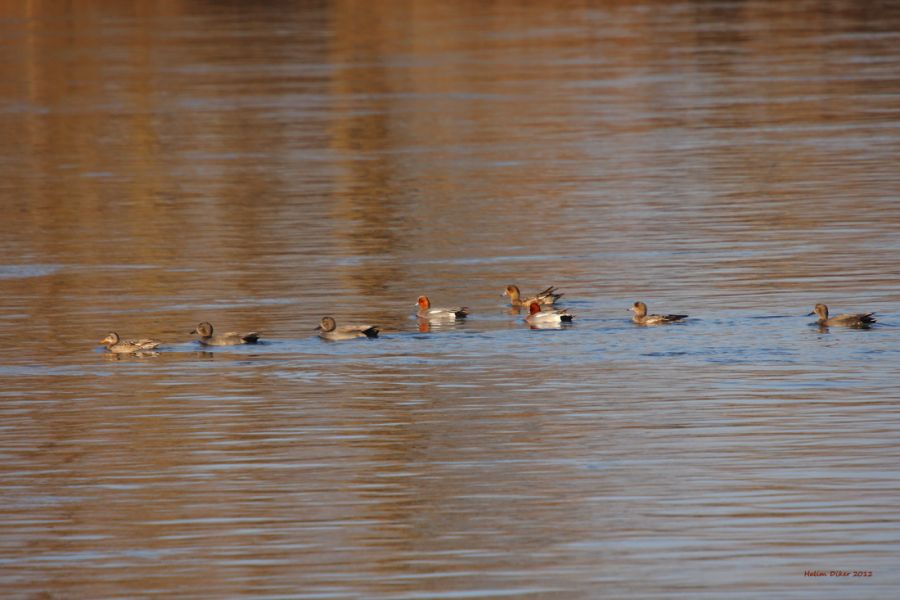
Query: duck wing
[[144, 344], [366, 330]]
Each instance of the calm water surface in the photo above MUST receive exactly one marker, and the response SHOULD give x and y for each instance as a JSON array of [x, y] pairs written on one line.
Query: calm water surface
[[259, 165]]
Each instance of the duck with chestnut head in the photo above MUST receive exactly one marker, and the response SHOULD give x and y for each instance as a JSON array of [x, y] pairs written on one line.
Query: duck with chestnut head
[[426, 311], [539, 318]]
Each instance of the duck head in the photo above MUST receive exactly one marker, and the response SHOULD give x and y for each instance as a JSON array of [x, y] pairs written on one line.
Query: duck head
[[327, 324], [639, 309], [513, 292], [204, 329], [820, 311]]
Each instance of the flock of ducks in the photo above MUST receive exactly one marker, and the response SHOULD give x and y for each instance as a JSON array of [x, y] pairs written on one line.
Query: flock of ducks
[[541, 314]]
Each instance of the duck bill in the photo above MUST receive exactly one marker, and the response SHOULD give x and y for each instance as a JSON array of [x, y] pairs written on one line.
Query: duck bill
[[811, 314]]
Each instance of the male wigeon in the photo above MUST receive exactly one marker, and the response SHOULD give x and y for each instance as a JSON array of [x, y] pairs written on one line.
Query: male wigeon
[[328, 330], [119, 346], [230, 338], [642, 318], [546, 297], [439, 314], [538, 317], [847, 320]]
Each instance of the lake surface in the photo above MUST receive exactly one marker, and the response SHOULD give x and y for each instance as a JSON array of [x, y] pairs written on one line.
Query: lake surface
[[260, 165]]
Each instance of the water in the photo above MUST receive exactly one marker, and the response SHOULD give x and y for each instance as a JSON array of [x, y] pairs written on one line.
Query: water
[[259, 166]]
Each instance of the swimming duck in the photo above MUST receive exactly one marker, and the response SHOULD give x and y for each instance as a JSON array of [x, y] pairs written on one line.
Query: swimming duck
[[231, 338], [328, 330], [118, 346], [546, 297], [847, 320], [439, 314], [538, 317], [642, 318]]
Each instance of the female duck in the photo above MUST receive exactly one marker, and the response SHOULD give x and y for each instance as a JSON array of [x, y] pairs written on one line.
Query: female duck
[[119, 346], [847, 320], [642, 318], [231, 338], [328, 330], [546, 297]]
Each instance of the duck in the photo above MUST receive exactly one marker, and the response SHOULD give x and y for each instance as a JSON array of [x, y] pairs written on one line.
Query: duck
[[846, 320], [538, 317], [118, 346], [328, 330], [642, 318], [547, 297], [439, 314], [231, 338]]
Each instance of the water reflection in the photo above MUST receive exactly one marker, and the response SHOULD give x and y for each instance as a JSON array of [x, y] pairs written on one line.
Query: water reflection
[[262, 165], [140, 354]]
